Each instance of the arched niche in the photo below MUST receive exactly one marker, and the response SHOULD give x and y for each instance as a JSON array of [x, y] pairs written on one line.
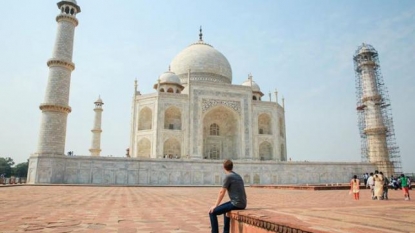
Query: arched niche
[[145, 119], [172, 148], [144, 148], [221, 136], [264, 124], [265, 151], [173, 118]]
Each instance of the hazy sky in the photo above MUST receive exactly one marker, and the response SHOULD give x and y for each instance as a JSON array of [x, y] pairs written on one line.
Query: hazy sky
[[302, 48]]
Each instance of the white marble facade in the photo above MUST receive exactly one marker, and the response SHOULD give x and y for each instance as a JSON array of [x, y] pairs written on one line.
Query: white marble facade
[[196, 112], [160, 172], [181, 133]]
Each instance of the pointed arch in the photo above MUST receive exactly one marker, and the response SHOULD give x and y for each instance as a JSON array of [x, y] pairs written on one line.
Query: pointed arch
[[221, 136], [172, 148], [173, 118], [145, 119], [144, 148], [265, 151], [264, 124]]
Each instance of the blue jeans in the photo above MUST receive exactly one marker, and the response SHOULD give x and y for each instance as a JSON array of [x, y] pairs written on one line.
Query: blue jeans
[[222, 209]]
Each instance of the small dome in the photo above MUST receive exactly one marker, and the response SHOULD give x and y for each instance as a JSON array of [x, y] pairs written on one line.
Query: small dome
[[169, 78], [99, 102], [205, 63], [255, 87], [365, 48], [70, 2]]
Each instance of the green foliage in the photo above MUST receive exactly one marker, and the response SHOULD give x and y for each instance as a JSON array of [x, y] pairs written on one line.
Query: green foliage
[[20, 170], [6, 166]]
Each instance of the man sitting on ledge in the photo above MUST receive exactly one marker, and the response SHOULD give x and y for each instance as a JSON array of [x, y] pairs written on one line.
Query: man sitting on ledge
[[234, 184]]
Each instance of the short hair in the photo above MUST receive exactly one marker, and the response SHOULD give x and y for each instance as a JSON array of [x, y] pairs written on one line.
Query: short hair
[[228, 165]]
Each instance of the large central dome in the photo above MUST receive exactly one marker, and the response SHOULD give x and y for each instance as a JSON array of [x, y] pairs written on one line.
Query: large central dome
[[205, 64]]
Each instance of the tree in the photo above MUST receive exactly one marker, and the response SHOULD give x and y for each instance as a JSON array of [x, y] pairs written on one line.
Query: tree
[[6, 166], [20, 170]]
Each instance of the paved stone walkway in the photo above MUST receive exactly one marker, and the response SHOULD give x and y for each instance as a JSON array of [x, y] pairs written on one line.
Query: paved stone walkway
[[184, 209]]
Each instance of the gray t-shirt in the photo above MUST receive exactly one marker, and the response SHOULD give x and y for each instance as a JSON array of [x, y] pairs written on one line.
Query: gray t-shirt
[[236, 190]]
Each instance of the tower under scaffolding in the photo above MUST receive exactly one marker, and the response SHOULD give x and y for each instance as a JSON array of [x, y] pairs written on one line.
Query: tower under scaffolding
[[378, 142]]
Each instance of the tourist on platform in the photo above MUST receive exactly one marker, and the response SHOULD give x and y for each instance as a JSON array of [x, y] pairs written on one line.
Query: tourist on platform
[[395, 183], [385, 187], [405, 187], [371, 184], [355, 187], [378, 189], [234, 184], [365, 177]]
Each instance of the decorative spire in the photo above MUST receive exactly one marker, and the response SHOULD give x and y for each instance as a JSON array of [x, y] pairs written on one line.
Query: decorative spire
[[276, 95], [200, 34], [135, 87], [169, 68], [283, 102]]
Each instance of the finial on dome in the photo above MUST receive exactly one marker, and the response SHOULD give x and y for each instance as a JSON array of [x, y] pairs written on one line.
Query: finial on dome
[[200, 34]]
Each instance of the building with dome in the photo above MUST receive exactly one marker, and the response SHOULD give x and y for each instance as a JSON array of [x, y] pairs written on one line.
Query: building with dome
[[180, 133], [196, 112]]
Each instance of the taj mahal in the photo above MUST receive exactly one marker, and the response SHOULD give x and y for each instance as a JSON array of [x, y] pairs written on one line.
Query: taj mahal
[[196, 112], [181, 132]]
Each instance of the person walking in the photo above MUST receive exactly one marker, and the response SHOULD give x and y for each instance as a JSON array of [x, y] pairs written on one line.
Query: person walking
[[378, 189], [371, 185], [234, 185], [385, 187], [355, 187], [405, 187]]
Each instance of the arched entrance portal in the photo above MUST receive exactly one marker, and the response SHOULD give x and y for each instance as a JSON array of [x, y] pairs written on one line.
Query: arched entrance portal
[[221, 137]]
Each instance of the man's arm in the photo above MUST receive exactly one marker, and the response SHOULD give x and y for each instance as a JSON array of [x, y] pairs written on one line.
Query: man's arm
[[219, 199]]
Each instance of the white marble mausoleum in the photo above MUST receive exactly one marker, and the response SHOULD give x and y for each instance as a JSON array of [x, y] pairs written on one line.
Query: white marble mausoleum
[[181, 132]]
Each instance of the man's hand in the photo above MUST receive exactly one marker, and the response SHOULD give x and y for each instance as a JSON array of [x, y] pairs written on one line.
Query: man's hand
[[212, 208]]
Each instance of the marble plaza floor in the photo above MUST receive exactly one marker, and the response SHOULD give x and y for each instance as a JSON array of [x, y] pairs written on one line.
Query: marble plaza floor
[[184, 209]]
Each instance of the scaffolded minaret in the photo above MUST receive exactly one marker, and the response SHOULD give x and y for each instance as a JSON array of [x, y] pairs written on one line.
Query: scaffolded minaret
[[96, 131], [55, 107], [375, 117]]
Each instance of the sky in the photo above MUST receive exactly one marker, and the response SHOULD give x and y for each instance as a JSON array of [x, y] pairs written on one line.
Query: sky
[[302, 48]]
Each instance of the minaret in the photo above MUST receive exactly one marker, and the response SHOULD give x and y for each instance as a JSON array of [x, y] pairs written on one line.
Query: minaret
[[55, 106], [45, 165], [96, 131], [373, 105]]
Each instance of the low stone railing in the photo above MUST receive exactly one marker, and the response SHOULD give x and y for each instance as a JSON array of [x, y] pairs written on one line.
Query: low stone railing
[[257, 221]]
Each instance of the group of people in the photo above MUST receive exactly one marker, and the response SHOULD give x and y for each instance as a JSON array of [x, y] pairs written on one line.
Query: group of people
[[396, 183], [233, 184], [379, 185]]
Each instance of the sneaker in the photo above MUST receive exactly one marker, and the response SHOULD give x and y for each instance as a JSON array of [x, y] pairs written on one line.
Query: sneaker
[[406, 199]]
